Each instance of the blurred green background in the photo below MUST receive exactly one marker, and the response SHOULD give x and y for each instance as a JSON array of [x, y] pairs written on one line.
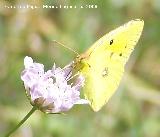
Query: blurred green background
[[133, 111]]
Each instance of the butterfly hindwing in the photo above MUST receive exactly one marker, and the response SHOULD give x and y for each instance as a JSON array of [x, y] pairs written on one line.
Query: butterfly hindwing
[[101, 81]]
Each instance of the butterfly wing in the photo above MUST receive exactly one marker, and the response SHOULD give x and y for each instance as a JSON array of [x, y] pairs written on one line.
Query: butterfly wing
[[105, 61]]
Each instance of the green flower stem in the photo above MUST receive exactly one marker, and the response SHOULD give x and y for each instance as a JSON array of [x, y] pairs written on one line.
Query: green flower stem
[[22, 121]]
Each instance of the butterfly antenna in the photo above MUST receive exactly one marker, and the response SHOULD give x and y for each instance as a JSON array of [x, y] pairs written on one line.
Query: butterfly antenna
[[66, 47]]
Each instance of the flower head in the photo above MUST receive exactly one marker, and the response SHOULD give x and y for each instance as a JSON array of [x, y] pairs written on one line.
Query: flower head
[[49, 90]]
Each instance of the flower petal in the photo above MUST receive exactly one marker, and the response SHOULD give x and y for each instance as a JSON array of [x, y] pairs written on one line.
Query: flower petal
[[28, 61]]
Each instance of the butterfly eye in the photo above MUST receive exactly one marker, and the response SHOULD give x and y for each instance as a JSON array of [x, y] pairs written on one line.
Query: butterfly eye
[[111, 42]]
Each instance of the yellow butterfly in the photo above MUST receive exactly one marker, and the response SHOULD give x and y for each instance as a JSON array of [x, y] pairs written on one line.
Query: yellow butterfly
[[103, 63]]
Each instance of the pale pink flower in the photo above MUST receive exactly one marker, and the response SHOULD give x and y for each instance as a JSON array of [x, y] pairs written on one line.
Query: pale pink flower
[[49, 90]]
